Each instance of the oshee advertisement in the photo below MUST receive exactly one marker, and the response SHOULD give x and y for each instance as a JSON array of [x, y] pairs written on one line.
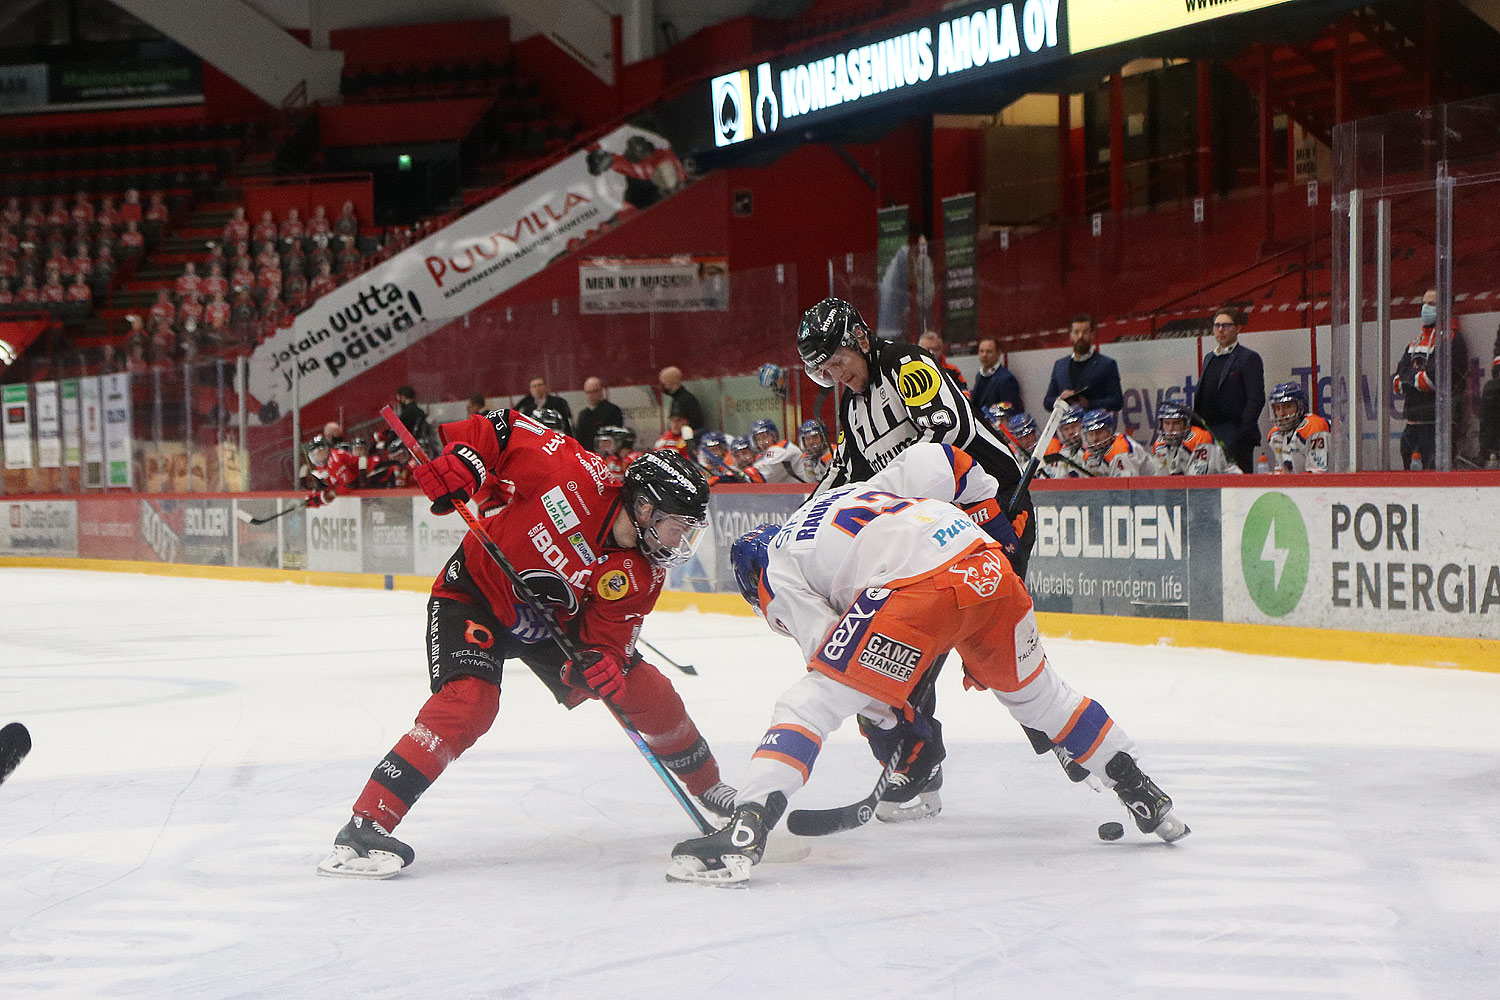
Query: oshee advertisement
[[460, 267], [653, 284], [1419, 562], [333, 537], [39, 528], [1126, 552], [1096, 23]]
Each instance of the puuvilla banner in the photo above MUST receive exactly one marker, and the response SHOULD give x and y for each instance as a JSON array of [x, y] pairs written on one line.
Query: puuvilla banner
[[460, 267]]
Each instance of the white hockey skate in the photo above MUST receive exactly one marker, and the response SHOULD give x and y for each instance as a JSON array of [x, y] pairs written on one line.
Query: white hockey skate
[[363, 849]]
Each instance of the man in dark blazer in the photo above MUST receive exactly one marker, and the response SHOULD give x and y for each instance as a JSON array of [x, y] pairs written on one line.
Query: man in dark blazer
[[994, 383], [540, 398], [599, 412], [1232, 391], [1085, 377]]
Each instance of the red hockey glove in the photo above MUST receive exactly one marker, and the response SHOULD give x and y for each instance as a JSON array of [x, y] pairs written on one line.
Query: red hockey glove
[[987, 515], [451, 478], [318, 498], [601, 670]]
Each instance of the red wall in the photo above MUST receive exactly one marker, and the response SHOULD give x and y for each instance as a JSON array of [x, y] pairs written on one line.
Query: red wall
[[400, 122], [399, 46]]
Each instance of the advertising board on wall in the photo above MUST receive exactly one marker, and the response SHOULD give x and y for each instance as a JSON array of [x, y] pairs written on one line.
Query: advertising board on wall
[[960, 280], [16, 402], [39, 528], [387, 527], [957, 46], [1383, 559], [434, 537], [1137, 553], [1093, 24], [118, 468], [682, 283], [48, 426], [333, 537], [72, 430], [460, 267]]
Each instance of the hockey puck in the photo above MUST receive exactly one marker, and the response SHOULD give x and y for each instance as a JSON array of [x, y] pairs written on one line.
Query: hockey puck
[[1111, 831]]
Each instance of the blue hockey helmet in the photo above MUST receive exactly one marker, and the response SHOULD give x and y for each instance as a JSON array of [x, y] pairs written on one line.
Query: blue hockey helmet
[[1021, 425], [741, 443], [1098, 430], [750, 555], [1070, 427], [1288, 393], [809, 428], [765, 425], [998, 414], [1172, 422], [713, 439]]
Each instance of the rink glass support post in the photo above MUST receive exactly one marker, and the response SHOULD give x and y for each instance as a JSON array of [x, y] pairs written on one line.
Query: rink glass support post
[[241, 380], [1443, 460], [1378, 388], [296, 422], [1356, 312]]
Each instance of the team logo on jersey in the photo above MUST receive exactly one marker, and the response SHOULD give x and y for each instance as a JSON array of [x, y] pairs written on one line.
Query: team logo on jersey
[[885, 655], [477, 635], [613, 585], [983, 576], [919, 382], [559, 510]]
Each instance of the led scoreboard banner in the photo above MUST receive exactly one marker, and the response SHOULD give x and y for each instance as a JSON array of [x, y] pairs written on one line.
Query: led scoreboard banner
[[1093, 24], [955, 47]]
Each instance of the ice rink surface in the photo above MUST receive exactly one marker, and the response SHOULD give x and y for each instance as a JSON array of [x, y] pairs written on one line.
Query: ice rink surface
[[198, 743]]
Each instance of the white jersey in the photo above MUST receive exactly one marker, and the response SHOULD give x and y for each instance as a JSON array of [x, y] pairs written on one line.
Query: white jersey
[[873, 534], [814, 469], [1198, 455], [781, 463], [1125, 457], [1062, 469], [1302, 450]]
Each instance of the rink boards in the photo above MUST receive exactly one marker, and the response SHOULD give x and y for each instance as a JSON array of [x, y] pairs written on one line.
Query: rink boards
[[1291, 563]]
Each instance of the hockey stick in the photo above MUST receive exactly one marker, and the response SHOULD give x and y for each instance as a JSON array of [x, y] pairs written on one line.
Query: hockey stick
[[1035, 462], [15, 744], [284, 513], [564, 642], [1058, 458], [686, 668], [821, 822]]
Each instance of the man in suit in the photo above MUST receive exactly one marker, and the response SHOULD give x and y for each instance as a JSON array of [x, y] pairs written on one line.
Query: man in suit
[[994, 383], [1085, 377], [1232, 391]]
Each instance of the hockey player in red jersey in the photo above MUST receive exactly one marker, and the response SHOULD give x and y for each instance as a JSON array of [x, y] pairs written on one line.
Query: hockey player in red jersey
[[593, 549], [331, 470]]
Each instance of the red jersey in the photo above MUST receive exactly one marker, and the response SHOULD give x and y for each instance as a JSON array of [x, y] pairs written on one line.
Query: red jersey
[[217, 314], [189, 284], [214, 283], [556, 532], [236, 231], [341, 472]]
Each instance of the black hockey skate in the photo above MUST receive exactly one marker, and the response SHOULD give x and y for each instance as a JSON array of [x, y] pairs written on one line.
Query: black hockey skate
[[363, 849], [725, 858], [1148, 804], [913, 789], [719, 800], [1042, 743]]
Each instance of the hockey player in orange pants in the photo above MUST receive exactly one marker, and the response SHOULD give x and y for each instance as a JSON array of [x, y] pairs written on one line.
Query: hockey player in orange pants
[[876, 584]]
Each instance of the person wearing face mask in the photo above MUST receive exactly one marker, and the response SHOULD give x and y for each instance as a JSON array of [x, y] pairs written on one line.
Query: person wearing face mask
[[1415, 382]]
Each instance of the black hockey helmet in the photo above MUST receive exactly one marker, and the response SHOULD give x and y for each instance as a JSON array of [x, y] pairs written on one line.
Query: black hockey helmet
[[550, 418], [666, 497], [827, 326]]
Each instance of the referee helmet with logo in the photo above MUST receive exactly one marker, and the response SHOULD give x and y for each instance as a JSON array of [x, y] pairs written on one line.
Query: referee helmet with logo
[[666, 498], [827, 326]]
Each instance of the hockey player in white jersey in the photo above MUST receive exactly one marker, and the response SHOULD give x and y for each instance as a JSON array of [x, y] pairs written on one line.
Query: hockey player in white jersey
[[779, 460], [876, 584], [1180, 449], [1299, 441], [1106, 453], [817, 451]]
